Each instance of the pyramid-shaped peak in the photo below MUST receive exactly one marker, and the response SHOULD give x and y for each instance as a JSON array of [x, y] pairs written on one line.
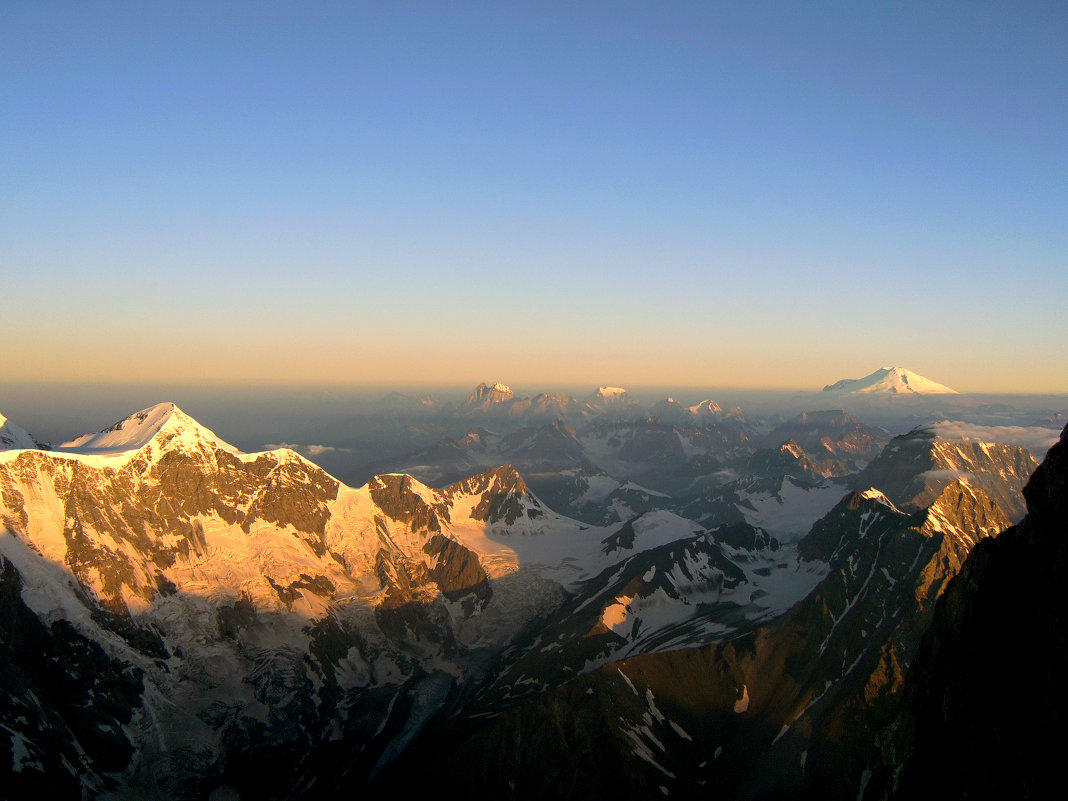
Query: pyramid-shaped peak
[[872, 494], [706, 408], [502, 496], [966, 511], [163, 420], [503, 478], [854, 517]]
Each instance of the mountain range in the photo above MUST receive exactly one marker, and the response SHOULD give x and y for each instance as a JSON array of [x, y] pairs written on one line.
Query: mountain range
[[185, 620]]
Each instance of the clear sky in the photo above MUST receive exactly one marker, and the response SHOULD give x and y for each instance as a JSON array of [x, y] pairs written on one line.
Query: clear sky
[[714, 194]]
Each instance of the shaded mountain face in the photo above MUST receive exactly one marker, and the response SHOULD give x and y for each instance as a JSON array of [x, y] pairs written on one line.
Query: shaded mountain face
[[547, 405], [553, 446], [768, 466], [915, 467], [64, 735], [658, 451], [781, 709], [593, 496], [984, 703], [780, 489], [831, 433], [603, 472], [671, 411]]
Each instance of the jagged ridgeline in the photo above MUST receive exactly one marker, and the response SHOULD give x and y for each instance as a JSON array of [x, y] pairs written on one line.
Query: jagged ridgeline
[[182, 619]]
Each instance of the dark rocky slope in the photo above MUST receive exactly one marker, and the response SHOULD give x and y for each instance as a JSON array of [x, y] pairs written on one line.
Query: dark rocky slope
[[985, 703], [787, 710]]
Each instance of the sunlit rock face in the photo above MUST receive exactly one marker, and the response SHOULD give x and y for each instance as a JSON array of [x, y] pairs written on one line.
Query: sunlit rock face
[[914, 468], [249, 596], [486, 396]]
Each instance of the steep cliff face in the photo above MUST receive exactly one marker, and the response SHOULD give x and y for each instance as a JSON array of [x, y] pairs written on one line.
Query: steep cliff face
[[984, 704]]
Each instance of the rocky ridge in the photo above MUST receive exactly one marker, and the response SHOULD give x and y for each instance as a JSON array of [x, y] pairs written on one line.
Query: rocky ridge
[[984, 701]]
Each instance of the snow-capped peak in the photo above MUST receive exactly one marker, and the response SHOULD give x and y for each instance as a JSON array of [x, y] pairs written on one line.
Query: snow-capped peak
[[610, 392], [12, 437], [139, 429], [876, 495], [706, 408], [485, 394], [889, 381]]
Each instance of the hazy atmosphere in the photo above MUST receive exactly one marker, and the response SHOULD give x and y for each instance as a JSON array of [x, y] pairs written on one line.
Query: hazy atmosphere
[[754, 196]]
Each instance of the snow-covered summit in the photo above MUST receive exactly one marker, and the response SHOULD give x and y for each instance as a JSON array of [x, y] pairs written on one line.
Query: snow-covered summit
[[605, 399], [486, 395], [706, 408], [877, 495], [12, 437], [889, 381], [162, 421]]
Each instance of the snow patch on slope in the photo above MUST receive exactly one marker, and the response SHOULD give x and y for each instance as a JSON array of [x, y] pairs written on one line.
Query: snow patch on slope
[[792, 510]]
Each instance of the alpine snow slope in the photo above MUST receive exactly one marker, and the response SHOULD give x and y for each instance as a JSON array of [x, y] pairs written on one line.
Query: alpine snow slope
[[182, 619], [890, 381]]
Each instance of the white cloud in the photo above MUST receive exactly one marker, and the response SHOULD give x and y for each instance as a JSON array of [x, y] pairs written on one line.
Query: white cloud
[[306, 450], [1036, 439]]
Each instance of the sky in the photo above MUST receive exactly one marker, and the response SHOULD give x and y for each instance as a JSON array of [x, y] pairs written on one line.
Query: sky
[[755, 195]]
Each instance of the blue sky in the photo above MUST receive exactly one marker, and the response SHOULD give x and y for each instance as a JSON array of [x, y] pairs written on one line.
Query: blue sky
[[751, 195]]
